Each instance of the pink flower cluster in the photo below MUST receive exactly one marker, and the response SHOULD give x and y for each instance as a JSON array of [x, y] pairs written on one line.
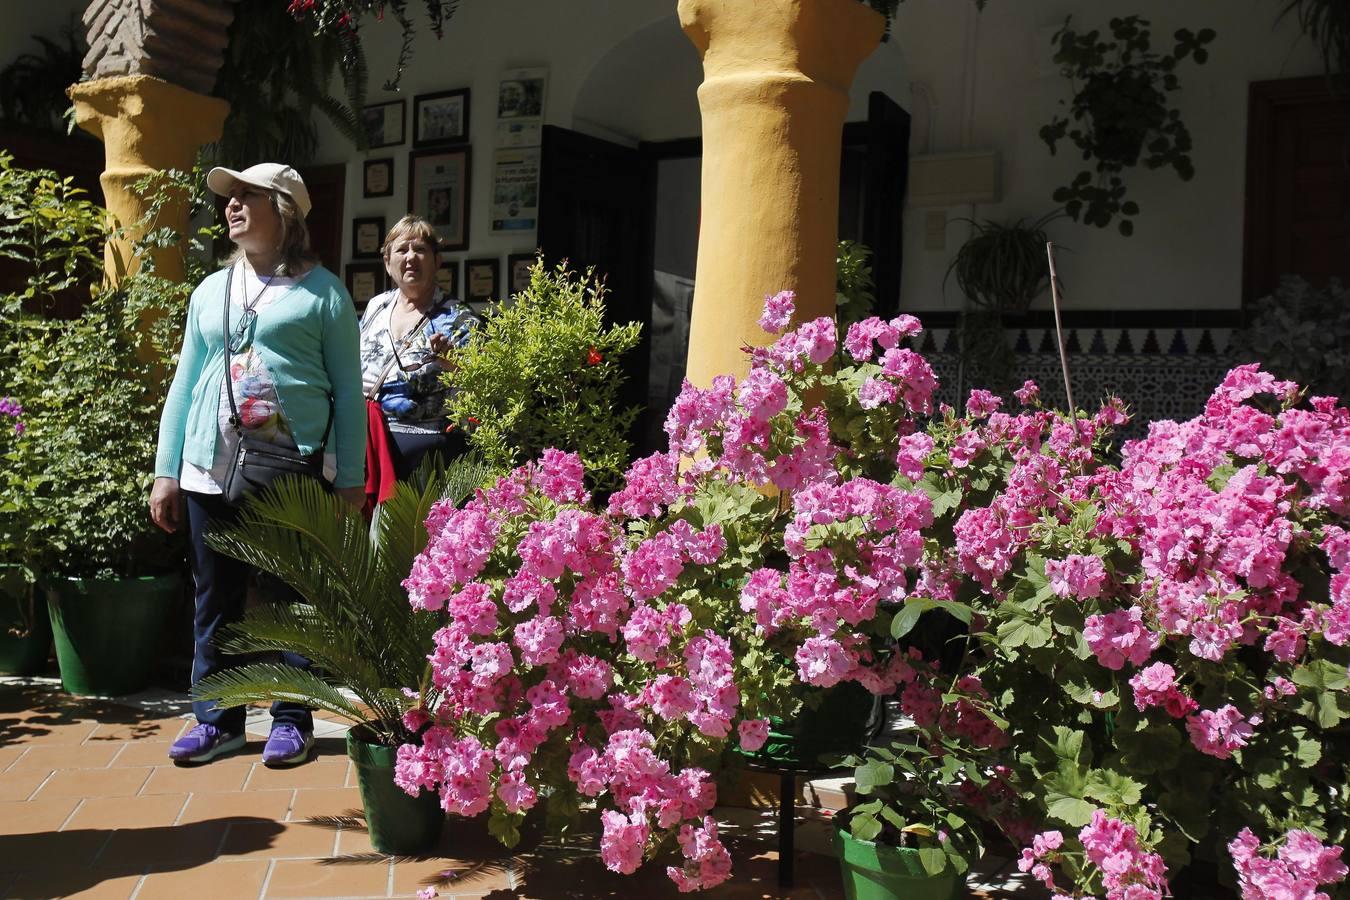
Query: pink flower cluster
[[1300, 865], [1128, 871]]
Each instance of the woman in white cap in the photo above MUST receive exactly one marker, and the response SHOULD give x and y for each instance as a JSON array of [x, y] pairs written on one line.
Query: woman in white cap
[[270, 354]]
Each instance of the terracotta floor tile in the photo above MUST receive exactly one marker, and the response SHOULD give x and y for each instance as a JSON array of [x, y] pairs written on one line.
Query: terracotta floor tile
[[36, 730], [452, 876], [87, 884], [295, 841], [141, 753], [51, 849], [195, 844], [354, 841], [225, 774], [223, 880], [271, 805], [9, 754], [325, 802], [308, 878], [145, 730], [95, 783], [156, 810], [20, 785], [67, 756], [35, 816], [319, 773]]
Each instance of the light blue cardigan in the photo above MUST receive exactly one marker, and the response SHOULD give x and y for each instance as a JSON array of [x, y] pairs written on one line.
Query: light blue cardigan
[[308, 339]]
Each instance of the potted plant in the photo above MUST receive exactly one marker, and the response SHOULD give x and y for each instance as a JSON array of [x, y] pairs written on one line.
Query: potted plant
[[1120, 113], [90, 388], [910, 833], [353, 622]]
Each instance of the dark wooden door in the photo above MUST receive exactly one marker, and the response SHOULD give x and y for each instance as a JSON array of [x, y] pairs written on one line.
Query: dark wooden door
[[1298, 184], [327, 187], [596, 208], [884, 186]]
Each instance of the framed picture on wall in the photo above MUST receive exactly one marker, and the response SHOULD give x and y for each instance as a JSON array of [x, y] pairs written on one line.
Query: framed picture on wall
[[377, 178], [447, 278], [441, 118], [438, 191], [386, 124], [367, 236], [480, 280], [518, 272], [364, 280]]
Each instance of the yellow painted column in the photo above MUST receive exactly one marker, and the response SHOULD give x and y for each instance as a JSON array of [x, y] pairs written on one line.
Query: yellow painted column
[[776, 75], [146, 125]]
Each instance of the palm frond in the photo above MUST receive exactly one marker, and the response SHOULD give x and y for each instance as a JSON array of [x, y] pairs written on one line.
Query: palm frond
[[270, 682], [355, 623]]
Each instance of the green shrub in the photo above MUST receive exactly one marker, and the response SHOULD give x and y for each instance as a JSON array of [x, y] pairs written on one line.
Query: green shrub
[[74, 485], [544, 372]]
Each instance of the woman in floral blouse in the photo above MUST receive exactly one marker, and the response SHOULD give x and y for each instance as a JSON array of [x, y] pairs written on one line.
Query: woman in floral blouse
[[406, 334]]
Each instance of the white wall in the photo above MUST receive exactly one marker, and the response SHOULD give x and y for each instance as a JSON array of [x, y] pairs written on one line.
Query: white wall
[[994, 85], [620, 68]]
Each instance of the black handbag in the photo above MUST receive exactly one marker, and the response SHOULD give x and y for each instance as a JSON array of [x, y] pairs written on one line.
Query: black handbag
[[257, 463]]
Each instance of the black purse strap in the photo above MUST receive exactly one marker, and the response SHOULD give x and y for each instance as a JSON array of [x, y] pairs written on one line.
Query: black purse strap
[[235, 421]]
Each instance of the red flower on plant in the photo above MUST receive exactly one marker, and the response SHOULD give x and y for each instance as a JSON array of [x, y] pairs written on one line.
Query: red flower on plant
[[593, 357]]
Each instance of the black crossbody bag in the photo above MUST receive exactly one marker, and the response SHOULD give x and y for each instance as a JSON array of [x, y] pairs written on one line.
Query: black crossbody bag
[[257, 463]]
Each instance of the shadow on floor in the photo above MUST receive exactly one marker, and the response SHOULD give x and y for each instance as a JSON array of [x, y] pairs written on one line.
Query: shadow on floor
[[59, 863], [36, 710]]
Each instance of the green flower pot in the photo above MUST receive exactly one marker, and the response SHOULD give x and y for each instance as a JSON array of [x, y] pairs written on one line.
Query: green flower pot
[[877, 872], [107, 631], [25, 634], [399, 824], [839, 725]]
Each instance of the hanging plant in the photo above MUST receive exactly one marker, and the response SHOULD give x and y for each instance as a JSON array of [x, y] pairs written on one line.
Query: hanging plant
[[1327, 23], [1003, 267], [1120, 114], [342, 19], [33, 87]]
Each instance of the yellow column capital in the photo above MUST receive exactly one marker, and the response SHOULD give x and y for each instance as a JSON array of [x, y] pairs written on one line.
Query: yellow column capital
[[146, 124]]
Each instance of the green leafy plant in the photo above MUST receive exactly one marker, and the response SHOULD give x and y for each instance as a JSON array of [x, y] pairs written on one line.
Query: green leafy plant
[[854, 296], [1120, 113], [342, 19], [273, 94], [353, 620], [1327, 22], [33, 86], [545, 372], [92, 386], [1302, 333], [1003, 267], [911, 796]]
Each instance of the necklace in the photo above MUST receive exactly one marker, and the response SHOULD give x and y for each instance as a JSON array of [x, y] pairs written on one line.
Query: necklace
[[250, 313]]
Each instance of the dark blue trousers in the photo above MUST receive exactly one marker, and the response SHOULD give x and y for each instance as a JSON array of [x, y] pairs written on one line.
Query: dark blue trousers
[[221, 582]]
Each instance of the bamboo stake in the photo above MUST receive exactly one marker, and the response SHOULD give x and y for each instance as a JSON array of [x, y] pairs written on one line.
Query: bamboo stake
[[1059, 328]]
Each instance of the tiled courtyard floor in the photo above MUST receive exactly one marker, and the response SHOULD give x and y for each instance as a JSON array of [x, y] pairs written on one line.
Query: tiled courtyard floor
[[91, 807]]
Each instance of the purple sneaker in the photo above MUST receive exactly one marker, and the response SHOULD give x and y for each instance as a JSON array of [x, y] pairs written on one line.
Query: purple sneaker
[[204, 743], [287, 746]]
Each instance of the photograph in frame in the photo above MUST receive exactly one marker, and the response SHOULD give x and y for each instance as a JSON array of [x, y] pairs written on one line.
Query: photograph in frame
[[518, 267], [447, 278], [364, 280], [385, 124], [367, 237], [438, 191], [377, 177], [520, 107], [481, 281], [441, 118]]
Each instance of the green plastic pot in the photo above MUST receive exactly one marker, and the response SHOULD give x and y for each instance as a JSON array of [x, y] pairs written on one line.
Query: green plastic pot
[[840, 725], [107, 631], [399, 824], [875, 871], [24, 652]]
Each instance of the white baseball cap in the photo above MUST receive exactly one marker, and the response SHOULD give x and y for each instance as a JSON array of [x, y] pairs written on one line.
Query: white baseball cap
[[271, 176]]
